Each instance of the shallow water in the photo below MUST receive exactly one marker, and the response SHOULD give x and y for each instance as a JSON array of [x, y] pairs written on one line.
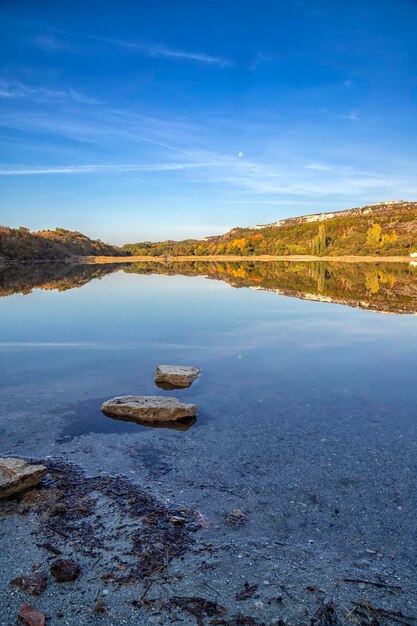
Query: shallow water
[[109, 335], [307, 410]]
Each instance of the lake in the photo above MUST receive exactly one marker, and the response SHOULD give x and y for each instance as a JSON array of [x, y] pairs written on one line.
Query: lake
[[302, 461]]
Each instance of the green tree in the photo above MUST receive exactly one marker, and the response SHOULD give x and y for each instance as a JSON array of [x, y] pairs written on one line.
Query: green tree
[[319, 242]]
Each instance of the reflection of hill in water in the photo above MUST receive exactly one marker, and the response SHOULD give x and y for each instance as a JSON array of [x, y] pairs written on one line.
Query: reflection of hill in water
[[390, 288], [22, 278]]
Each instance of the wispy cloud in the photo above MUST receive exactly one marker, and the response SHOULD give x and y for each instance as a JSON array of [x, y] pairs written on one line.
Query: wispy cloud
[[80, 97], [352, 115], [56, 40], [99, 169], [162, 51], [274, 171], [261, 57], [15, 89], [103, 125], [263, 178], [321, 167], [51, 43]]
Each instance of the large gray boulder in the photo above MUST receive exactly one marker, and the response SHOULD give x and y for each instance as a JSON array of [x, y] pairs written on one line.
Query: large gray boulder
[[17, 475], [148, 408], [175, 376]]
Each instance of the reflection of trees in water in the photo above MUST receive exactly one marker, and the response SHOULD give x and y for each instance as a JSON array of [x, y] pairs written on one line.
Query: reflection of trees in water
[[23, 277], [384, 287], [391, 287], [376, 278], [320, 272], [372, 282], [373, 278]]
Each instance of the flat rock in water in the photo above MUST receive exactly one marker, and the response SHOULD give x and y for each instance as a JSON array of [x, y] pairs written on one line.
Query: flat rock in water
[[149, 408], [176, 375], [17, 475]]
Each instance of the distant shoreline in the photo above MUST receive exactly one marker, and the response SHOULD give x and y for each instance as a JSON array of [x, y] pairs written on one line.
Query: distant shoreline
[[239, 258], [306, 258]]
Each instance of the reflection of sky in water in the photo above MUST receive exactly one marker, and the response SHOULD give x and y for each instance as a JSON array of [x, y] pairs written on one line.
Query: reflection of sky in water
[[105, 339]]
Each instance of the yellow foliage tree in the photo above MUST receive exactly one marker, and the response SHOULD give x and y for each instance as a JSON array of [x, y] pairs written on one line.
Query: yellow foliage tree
[[236, 245], [373, 236], [389, 238]]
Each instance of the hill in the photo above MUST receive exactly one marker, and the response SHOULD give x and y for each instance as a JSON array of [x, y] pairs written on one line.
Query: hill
[[387, 229], [20, 244], [383, 229]]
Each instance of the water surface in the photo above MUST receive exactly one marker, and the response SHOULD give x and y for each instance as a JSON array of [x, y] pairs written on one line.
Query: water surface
[[307, 418]]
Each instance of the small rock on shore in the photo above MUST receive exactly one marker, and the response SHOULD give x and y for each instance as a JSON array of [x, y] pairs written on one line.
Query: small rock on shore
[[65, 570], [17, 475], [31, 616], [33, 584]]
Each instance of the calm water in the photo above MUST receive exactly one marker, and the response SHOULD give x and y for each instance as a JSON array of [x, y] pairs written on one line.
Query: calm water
[[247, 342], [305, 407], [265, 357], [66, 351]]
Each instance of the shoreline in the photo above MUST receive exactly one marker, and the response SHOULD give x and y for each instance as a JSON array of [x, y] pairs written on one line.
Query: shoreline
[[238, 258], [231, 258]]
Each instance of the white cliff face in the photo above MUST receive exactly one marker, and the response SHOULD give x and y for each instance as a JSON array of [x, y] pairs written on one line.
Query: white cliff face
[[389, 202], [322, 217]]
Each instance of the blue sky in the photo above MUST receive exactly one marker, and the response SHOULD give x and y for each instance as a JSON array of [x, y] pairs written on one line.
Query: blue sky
[[147, 120]]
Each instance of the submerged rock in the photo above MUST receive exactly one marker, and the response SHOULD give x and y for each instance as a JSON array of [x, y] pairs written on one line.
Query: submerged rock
[[175, 376], [65, 570], [17, 475], [148, 408], [181, 424], [236, 518]]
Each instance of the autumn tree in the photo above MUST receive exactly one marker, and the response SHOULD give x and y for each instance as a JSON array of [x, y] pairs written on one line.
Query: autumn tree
[[373, 236]]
